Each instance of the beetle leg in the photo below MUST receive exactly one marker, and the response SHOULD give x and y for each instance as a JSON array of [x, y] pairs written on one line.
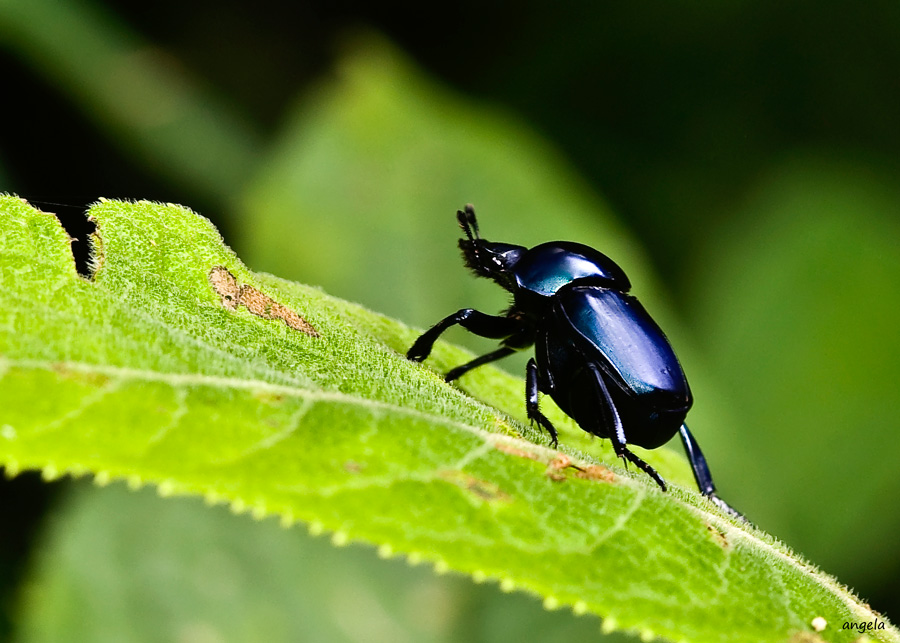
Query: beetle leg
[[493, 326], [531, 402], [646, 468], [702, 474], [523, 338], [698, 462], [493, 356], [618, 438]]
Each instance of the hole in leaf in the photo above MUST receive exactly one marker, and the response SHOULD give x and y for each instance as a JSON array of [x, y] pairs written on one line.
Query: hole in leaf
[[75, 222]]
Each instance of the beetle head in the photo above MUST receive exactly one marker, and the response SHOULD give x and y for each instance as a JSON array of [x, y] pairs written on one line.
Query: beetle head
[[486, 259]]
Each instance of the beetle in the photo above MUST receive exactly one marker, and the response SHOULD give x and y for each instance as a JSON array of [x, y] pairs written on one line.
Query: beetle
[[598, 353]]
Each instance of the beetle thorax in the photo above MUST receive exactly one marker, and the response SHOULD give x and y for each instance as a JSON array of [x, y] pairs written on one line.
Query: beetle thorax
[[548, 267]]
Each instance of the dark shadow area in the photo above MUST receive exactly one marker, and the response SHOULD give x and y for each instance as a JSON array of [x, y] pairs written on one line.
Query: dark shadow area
[[24, 503]]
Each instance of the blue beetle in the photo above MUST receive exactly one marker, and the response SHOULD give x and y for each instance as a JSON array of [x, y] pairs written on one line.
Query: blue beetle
[[598, 353]]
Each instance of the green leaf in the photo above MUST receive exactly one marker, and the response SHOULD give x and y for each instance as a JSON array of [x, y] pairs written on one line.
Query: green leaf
[[121, 567], [148, 373], [359, 194]]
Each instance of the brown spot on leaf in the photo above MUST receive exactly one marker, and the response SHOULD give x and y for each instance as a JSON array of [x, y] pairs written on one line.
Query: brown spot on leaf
[[595, 472], [226, 286], [267, 397], [557, 466], [97, 255], [233, 294], [719, 536], [483, 489], [87, 378], [511, 450], [351, 466]]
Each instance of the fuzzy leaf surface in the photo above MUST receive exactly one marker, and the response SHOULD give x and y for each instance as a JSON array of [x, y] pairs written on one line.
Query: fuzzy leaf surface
[[149, 373]]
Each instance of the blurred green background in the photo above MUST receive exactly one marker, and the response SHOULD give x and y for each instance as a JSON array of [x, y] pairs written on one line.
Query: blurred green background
[[740, 160]]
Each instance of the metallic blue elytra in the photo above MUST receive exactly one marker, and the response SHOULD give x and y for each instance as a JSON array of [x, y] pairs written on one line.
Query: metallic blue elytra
[[630, 341], [598, 353]]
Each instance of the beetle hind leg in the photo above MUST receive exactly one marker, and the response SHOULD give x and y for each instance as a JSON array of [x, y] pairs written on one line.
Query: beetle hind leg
[[532, 391], [618, 434], [702, 474], [643, 466]]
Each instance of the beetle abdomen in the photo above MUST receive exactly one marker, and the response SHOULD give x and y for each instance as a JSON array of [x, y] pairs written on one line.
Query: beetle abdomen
[[568, 361]]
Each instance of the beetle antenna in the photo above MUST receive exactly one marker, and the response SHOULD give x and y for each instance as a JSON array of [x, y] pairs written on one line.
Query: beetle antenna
[[468, 222]]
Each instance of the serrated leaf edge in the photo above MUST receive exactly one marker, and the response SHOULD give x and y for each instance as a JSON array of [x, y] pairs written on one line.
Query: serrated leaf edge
[[340, 537]]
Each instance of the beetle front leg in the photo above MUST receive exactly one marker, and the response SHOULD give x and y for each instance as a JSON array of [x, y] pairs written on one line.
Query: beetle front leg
[[531, 401], [523, 338], [492, 326], [702, 474]]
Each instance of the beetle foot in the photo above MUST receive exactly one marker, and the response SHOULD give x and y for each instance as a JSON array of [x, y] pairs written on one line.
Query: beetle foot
[[534, 415], [554, 437], [455, 374], [418, 352], [728, 509], [646, 468]]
